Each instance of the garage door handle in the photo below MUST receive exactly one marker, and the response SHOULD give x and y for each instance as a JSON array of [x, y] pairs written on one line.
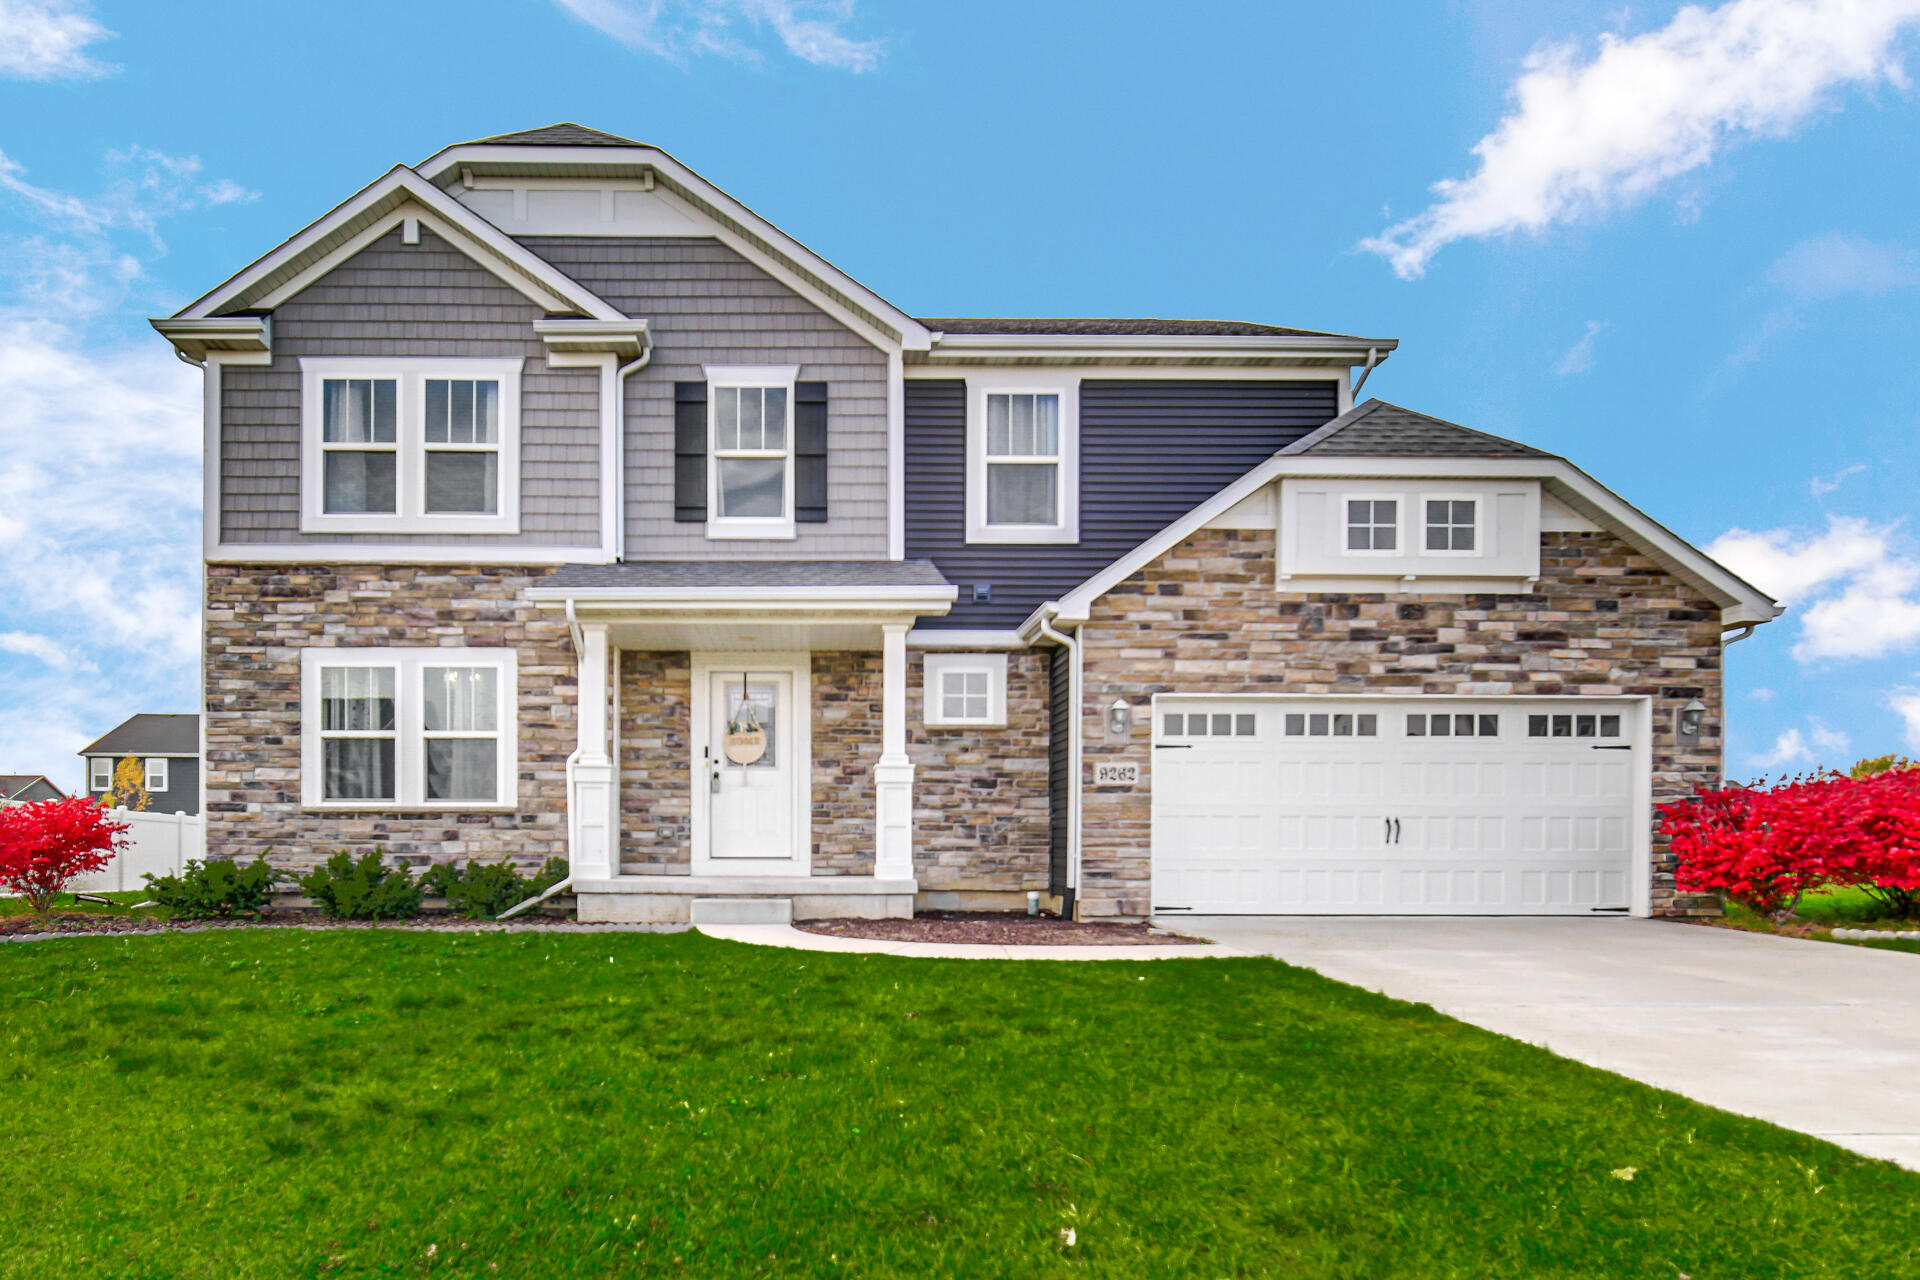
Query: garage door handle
[[1392, 835], [1174, 746], [1613, 748]]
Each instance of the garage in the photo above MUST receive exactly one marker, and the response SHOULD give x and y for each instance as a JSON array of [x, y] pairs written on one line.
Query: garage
[[1409, 806]]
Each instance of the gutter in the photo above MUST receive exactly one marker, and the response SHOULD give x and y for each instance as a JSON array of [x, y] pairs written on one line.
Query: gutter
[[1043, 626]]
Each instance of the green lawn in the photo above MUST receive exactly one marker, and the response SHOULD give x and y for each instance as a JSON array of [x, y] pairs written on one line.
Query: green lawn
[[1838, 907], [540, 1105], [64, 904]]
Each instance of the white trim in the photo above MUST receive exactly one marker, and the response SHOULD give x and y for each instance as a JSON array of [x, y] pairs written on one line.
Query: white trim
[[149, 783], [157, 755], [1066, 527], [825, 601], [937, 667], [744, 377], [410, 374], [409, 733], [705, 665], [1739, 601], [379, 204], [896, 457], [968, 638], [94, 781], [308, 552], [1420, 520]]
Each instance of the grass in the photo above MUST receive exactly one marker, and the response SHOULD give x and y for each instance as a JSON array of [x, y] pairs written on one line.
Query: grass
[[381, 1103], [1823, 910], [65, 904]]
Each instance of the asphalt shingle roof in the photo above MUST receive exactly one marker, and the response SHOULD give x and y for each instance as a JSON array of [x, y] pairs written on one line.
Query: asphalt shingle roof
[[1377, 429], [749, 573], [1112, 326], [564, 134], [154, 735], [12, 784]]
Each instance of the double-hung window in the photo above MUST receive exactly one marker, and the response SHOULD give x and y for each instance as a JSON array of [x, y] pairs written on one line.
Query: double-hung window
[[407, 728], [99, 773], [410, 445], [965, 689], [750, 436], [1022, 460], [156, 773]]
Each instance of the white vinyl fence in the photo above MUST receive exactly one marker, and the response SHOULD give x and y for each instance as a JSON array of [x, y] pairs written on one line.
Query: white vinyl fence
[[156, 843]]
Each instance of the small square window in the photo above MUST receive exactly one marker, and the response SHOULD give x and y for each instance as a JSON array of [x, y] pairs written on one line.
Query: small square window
[[1416, 726], [1450, 524], [1172, 724], [1440, 726], [1243, 726], [1373, 524], [1222, 726], [1368, 725], [963, 696], [1563, 726], [1536, 726], [1197, 726], [1609, 726], [1489, 726], [1585, 726], [1343, 726], [1296, 724], [971, 689]]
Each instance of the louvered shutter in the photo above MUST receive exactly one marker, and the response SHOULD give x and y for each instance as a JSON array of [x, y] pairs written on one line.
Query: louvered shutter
[[810, 452], [690, 451]]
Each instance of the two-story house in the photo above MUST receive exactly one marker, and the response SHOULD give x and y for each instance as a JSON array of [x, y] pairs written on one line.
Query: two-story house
[[559, 504]]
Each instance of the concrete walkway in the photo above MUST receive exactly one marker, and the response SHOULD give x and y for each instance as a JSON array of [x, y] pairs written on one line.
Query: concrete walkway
[[781, 935], [1812, 1036]]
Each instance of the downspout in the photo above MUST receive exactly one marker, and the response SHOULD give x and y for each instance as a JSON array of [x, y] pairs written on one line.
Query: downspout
[[1745, 631], [573, 758], [1373, 360], [620, 376], [1077, 730]]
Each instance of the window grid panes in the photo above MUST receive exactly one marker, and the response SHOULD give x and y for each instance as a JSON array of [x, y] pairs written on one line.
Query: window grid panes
[[1373, 524], [460, 709], [357, 732], [359, 436], [964, 695], [1574, 725], [1334, 724], [463, 446], [156, 779], [752, 440], [1209, 724], [1023, 458], [1458, 724], [1450, 524], [99, 774]]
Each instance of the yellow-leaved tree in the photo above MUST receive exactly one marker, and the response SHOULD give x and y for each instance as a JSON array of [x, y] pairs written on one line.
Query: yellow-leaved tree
[[129, 789]]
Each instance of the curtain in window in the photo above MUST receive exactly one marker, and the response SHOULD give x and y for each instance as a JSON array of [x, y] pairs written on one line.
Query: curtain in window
[[461, 700]]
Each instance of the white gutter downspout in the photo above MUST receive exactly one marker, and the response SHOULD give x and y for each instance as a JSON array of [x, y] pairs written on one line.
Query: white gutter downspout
[[1745, 631], [620, 376], [573, 758], [1373, 360], [1076, 730]]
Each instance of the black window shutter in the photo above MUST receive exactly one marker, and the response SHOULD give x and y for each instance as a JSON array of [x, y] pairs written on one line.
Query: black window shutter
[[810, 452], [690, 451]]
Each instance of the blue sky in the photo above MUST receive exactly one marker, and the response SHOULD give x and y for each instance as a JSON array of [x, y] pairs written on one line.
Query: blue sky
[[1674, 244]]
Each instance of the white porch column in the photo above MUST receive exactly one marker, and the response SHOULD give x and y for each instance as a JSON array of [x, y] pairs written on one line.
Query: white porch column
[[593, 846], [893, 775]]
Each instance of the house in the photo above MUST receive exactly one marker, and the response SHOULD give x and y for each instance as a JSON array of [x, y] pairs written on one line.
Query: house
[[559, 504], [27, 788], [168, 748]]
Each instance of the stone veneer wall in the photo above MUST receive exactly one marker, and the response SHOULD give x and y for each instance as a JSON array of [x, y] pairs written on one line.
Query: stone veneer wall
[[846, 746], [258, 620], [656, 709], [1206, 617]]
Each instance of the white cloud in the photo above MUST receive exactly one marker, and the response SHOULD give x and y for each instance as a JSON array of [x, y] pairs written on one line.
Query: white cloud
[[676, 29], [146, 186], [1820, 746], [47, 40], [1761, 695], [1821, 486], [28, 645], [1856, 586], [1834, 265], [1587, 134], [1905, 702], [1579, 356]]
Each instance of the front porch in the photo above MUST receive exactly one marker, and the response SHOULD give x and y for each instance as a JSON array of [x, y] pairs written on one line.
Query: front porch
[[742, 751]]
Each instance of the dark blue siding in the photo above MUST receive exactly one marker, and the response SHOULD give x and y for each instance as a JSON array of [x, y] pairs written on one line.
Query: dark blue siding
[[1059, 775], [1150, 451]]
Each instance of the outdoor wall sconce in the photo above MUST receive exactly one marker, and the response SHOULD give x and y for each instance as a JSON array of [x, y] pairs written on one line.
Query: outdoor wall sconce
[[1119, 721], [1692, 717]]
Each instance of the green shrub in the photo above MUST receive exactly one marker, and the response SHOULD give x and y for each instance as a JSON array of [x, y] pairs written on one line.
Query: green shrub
[[216, 889], [349, 888], [482, 890]]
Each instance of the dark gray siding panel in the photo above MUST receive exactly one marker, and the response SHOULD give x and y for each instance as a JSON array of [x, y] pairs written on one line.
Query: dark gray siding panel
[[1059, 779], [183, 785], [1150, 451], [706, 304], [395, 299]]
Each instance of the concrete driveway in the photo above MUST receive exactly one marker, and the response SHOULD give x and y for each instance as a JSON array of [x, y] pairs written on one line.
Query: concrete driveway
[[1813, 1036]]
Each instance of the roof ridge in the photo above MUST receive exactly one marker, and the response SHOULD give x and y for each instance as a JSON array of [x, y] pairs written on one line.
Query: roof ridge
[[1459, 426]]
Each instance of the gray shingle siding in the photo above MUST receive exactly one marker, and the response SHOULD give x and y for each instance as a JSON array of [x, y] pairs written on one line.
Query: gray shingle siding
[[705, 304], [393, 299], [1150, 451]]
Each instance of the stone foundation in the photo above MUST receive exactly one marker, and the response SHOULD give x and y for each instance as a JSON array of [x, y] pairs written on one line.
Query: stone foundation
[[1603, 621], [656, 807]]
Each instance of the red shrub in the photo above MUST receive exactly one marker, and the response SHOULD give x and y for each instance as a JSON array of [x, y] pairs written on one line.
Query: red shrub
[[44, 845], [1767, 846]]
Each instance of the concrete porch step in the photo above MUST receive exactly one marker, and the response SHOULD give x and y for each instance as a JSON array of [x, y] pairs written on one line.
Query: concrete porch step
[[741, 911]]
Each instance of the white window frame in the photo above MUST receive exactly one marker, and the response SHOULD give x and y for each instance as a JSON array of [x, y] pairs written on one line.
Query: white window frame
[[410, 448], [96, 766], [410, 735], [1066, 529], [1479, 525], [937, 667], [1343, 525], [156, 779], [765, 528]]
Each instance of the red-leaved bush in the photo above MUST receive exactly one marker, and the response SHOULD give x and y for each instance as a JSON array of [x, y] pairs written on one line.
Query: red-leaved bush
[[44, 845], [1766, 846]]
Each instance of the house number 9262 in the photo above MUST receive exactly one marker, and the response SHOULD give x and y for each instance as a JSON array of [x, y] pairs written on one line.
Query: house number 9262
[[1116, 775]]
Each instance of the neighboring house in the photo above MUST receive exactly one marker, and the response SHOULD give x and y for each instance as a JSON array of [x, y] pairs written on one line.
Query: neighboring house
[[168, 748], [559, 504], [27, 788]]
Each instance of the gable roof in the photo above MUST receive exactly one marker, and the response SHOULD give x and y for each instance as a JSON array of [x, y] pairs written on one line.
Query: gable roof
[[149, 735], [1469, 453], [1117, 327], [564, 134], [1378, 429], [16, 784]]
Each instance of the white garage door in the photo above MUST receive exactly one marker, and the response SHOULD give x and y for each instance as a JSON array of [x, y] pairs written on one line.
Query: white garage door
[[1372, 806]]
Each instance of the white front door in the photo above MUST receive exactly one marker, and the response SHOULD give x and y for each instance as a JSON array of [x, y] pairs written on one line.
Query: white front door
[[1411, 806], [750, 764]]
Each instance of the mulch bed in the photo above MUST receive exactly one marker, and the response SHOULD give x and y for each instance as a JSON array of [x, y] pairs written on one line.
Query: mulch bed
[[998, 929]]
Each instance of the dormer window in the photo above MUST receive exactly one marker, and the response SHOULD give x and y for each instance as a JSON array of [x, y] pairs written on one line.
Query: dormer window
[[1373, 524], [1452, 524], [1023, 459]]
